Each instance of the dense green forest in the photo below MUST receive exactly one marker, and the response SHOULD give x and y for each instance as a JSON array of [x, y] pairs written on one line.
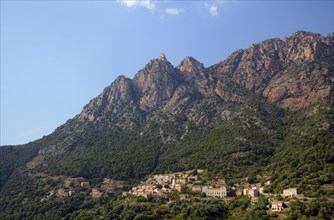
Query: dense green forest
[[80, 207], [234, 149], [288, 157]]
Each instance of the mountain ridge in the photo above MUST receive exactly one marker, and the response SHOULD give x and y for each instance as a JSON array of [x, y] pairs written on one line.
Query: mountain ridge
[[149, 123]]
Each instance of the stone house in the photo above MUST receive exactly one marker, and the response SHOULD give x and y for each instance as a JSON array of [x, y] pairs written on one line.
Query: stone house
[[196, 188], [178, 187], [219, 192], [84, 184], [251, 192], [290, 192], [76, 181], [71, 192], [192, 178], [62, 193], [277, 206], [96, 193], [254, 200], [107, 180], [238, 192]]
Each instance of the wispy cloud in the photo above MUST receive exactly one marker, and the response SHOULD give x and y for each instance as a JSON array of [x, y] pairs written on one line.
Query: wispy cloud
[[159, 7], [149, 4], [213, 10], [174, 11]]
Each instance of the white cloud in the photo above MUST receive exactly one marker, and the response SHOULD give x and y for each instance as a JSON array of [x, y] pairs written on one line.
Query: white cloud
[[174, 11], [213, 9], [143, 3]]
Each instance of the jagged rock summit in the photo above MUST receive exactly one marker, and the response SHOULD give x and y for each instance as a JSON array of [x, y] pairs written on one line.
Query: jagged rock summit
[[291, 73], [163, 57], [190, 65]]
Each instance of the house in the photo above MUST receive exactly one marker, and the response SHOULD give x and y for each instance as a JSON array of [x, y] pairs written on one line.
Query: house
[[182, 180], [70, 182], [107, 180], [254, 200], [159, 194], [62, 193], [245, 191], [219, 192], [196, 188], [84, 184], [111, 188], [143, 193], [192, 178], [277, 206], [71, 192], [96, 193], [178, 187], [290, 192], [251, 192], [238, 192]]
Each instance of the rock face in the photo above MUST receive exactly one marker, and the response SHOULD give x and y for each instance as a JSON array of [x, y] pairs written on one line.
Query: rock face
[[155, 84], [292, 73]]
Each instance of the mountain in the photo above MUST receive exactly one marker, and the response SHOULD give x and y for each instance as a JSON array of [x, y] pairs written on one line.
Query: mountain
[[265, 110]]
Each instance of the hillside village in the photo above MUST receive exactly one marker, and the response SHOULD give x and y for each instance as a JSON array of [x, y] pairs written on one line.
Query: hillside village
[[174, 187], [81, 186], [160, 185], [190, 184]]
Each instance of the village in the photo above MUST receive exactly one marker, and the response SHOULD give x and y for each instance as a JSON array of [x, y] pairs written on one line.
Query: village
[[189, 184], [174, 187], [81, 186]]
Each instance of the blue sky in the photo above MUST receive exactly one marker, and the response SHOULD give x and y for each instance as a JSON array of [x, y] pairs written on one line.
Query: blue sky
[[58, 55]]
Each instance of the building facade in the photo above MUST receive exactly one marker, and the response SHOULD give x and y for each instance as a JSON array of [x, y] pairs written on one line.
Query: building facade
[[219, 192], [290, 192]]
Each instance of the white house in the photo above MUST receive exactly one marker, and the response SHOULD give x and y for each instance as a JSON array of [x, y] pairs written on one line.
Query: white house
[[277, 206], [290, 192]]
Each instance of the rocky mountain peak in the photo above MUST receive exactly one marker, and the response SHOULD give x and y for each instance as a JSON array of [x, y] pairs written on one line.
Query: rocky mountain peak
[[111, 99], [286, 71], [282, 71], [190, 65], [160, 65], [162, 57], [304, 34], [155, 83]]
